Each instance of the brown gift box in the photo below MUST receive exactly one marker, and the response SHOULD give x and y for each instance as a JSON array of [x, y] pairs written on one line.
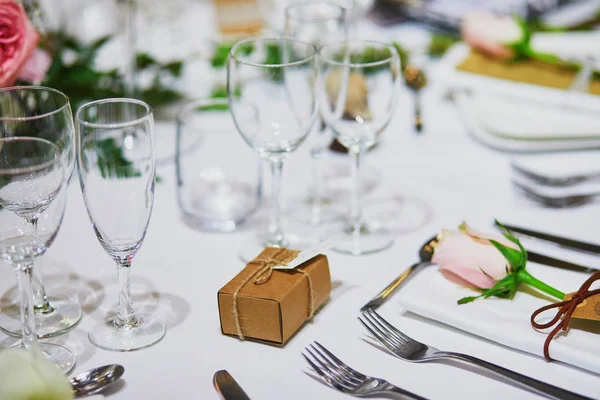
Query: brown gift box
[[274, 310]]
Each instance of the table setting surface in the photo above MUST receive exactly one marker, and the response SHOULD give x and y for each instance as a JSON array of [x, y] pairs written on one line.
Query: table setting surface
[[441, 178]]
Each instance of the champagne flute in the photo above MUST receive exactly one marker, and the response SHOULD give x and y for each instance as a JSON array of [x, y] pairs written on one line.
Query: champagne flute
[[278, 80], [316, 23], [117, 169], [31, 176], [360, 81], [45, 113]]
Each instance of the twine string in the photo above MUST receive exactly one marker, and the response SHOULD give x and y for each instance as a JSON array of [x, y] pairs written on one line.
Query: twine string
[[566, 308]]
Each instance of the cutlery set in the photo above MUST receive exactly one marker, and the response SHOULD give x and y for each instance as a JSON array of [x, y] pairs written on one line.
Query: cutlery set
[[336, 374], [567, 200]]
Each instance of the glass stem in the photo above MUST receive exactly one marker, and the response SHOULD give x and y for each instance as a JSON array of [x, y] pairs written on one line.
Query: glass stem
[[276, 238], [125, 316], [24, 281], [40, 300], [318, 186], [355, 206]]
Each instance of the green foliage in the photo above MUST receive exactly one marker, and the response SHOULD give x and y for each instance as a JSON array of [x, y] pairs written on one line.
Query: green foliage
[[440, 43], [219, 58], [112, 162], [220, 92], [82, 82], [274, 57]]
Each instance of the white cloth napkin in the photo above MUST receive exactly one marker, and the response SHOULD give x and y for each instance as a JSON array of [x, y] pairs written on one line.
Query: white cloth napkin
[[431, 295]]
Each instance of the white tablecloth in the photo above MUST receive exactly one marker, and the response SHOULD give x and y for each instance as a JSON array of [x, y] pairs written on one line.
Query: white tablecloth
[[178, 271]]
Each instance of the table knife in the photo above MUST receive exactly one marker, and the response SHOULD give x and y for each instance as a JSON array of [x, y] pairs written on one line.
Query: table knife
[[227, 387], [557, 240]]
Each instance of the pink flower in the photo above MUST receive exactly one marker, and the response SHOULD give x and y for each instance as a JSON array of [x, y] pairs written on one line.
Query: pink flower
[[18, 40], [490, 34], [469, 258], [35, 68]]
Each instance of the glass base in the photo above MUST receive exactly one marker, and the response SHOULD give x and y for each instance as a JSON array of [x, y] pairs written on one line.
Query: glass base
[[62, 357], [363, 241], [253, 247], [108, 336], [311, 212], [60, 318]]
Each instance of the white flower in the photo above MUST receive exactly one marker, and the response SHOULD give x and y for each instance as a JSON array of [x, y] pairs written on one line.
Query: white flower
[[29, 375]]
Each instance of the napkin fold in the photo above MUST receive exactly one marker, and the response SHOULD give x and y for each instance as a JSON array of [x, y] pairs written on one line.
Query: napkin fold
[[503, 321]]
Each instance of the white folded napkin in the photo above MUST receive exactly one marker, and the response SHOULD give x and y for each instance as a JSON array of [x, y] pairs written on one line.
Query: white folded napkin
[[431, 295]]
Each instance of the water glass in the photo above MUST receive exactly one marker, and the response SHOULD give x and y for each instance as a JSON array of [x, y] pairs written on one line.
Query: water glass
[[218, 176]]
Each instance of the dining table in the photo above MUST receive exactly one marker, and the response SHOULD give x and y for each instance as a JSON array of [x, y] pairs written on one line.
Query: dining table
[[435, 180]]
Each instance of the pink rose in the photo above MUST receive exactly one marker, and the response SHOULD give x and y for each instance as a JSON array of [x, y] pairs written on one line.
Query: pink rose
[[490, 34], [18, 40], [35, 68], [469, 258]]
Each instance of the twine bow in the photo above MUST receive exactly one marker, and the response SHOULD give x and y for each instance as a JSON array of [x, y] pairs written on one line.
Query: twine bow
[[566, 308], [263, 274]]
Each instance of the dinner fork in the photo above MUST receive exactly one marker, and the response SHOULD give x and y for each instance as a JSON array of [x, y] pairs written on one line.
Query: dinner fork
[[340, 376], [575, 200], [408, 349], [559, 181]]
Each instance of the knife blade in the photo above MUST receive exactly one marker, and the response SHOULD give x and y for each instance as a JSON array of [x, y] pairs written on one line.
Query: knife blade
[[561, 241], [555, 262], [227, 387]]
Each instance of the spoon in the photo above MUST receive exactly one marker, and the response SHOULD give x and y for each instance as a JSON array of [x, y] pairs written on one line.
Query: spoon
[[425, 255], [95, 380]]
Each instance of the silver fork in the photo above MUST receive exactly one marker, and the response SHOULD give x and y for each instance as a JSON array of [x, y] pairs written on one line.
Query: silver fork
[[340, 376], [408, 349], [574, 200]]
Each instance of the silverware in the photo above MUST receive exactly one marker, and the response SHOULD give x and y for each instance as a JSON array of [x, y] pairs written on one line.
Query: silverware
[[227, 387], [556, 263], [575, 200], [425, 254], [554, 180], [416, 80], [95, 380], [561, 241], [411, 350], [342, 377]]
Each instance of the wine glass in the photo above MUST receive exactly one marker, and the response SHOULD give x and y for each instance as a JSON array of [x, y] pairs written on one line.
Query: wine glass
[[360, 81], [31, 177], [316, 23], [278, 79], [45, 113], [117, 170]]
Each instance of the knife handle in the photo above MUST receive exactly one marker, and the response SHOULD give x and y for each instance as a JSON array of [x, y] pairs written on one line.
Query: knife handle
[[392, 287]]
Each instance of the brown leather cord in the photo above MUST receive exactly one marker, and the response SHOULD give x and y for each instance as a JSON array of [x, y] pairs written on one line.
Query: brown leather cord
[[566, 308]]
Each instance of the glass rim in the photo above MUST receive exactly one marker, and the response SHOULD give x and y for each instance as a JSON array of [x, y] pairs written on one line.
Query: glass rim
[[393, 51], [288, 11], [40, 88], [117, 125], [273, 39], [18, 171]]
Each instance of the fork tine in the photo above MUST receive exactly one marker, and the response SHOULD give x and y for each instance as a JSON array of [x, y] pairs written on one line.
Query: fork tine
[[390, 335], [339, 362], [332, 373], [329, 381], [391, 327], [342, 375], [378, 335]]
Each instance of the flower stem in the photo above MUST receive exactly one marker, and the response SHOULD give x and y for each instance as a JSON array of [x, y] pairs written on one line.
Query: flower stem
[[529, 279]]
